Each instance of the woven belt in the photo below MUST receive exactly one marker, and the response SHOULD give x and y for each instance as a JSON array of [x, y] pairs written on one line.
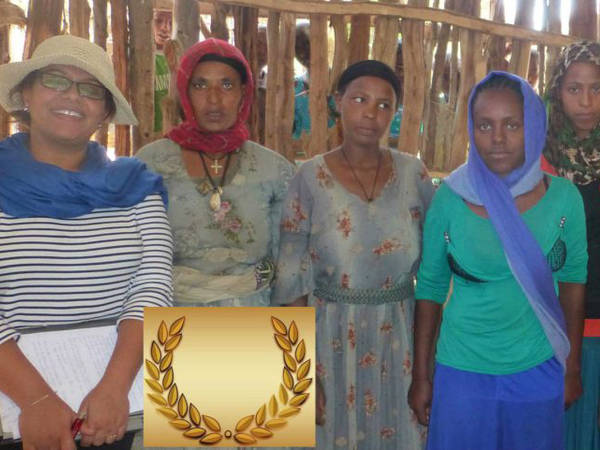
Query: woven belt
[[396, 293]]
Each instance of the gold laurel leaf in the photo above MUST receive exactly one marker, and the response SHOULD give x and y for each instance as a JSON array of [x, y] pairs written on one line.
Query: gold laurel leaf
[[289, 361], [173, 394], [283, 395], [278, 325], [182, 406], [244, 422], [293, 335], [180, 424], [170, 413], [195, 432], [163, 333], [288, 380], [152, 369], [155, 352], [300, 351], [298, 399], [302, 385], [303, 369], [275, 423], [261, 414], [211, 423], [273, 406], [176, 326], [261, 432], [154, 385], [158, 399], [289, 411], [244, 438], [168, 378], [173, 342], [283, 343], [194, 415], [165, 363], [211, 438]]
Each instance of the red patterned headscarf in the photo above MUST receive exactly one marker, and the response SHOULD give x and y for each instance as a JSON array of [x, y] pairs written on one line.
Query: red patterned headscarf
[[188, 134]]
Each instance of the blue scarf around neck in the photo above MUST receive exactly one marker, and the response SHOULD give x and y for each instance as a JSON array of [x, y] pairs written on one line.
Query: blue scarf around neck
[[477, 184], [30, 188]]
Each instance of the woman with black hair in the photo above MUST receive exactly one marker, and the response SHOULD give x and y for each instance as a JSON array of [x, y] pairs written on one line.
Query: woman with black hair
[[350, 244]]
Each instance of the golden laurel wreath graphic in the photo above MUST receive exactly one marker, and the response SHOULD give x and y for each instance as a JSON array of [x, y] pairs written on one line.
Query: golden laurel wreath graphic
[[186, 417]]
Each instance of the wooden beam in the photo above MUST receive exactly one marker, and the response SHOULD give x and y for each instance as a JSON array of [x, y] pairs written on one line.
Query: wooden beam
[[141, 72], [4, 58], [521, 49], [271, 136], [284, 89], [186, 22], [11, 14], [100, 38], [583, 19], [44, 21], [319, 84], [218, 21], [414, 85], [120, 36], [409, 12], [79, 18], [360, 34]]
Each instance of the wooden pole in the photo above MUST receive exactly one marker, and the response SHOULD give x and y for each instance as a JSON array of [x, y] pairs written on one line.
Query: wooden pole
[[285, 85], [142, 70], [173, 52], [79, 18], [4, 58], [218, 22], [186, 22], [583, 19], [414, 85], [319, 84], [271, 135], [554, 25], [120, 37], [44, 20], [246, 38], [359, 37], [497, 46], [100, 38], [521, 49]]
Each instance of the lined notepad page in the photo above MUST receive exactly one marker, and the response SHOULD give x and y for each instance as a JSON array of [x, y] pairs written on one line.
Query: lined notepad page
[[72, 362]]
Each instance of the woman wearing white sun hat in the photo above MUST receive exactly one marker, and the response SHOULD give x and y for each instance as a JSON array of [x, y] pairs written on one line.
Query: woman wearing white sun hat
[[102, 240]]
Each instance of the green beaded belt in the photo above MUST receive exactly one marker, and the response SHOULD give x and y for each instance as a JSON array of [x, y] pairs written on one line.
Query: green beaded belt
[[396, 293]]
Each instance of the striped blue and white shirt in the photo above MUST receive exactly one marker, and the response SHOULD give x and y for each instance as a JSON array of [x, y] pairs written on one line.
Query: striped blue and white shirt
[[110, 263]]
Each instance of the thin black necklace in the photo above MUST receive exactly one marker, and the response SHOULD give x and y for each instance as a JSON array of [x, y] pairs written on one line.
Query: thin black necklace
[[367, 196], [216, 188]]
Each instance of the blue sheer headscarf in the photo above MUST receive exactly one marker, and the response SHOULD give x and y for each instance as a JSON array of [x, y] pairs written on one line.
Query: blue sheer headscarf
[[30, 188], [477, 184]]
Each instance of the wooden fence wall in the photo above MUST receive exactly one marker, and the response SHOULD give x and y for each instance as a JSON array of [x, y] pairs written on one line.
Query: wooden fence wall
[[432, 126]]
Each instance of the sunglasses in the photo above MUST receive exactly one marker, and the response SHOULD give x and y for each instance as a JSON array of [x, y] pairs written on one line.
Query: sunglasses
[[59, 83]]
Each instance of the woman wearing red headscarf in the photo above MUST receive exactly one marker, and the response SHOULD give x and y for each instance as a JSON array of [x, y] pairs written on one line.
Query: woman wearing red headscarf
[[225, 192]]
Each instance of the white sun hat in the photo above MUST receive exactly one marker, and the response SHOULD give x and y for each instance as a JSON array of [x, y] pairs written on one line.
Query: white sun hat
[[70, 51]]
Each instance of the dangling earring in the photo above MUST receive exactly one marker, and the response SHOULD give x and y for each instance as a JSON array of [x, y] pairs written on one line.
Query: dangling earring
[[26, 108]]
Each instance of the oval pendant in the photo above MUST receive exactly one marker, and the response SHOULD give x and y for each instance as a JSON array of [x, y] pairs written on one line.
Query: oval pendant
[[215, 200]]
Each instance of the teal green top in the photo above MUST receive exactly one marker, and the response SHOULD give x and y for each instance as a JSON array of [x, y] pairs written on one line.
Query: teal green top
[[488, 325]]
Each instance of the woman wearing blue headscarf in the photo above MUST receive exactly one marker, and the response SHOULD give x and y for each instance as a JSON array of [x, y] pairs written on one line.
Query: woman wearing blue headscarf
[[510, 241]]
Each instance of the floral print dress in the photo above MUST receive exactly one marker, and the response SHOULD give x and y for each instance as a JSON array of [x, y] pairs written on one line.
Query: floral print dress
[[216, 252], [332, 238]]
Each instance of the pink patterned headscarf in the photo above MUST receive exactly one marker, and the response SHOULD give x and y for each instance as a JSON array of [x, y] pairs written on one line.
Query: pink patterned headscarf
[[188, 134]]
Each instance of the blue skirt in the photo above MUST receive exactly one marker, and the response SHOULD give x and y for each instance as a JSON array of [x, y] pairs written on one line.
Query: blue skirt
[[521, 411]]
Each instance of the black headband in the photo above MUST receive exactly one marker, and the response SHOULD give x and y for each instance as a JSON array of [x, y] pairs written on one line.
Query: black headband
[[369, 68]]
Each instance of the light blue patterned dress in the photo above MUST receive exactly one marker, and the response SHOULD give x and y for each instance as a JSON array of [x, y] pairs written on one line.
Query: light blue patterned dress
[[218, 255], [357, 261]]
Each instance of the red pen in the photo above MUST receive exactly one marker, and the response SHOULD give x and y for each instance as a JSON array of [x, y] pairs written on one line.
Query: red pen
[[76, 426]]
